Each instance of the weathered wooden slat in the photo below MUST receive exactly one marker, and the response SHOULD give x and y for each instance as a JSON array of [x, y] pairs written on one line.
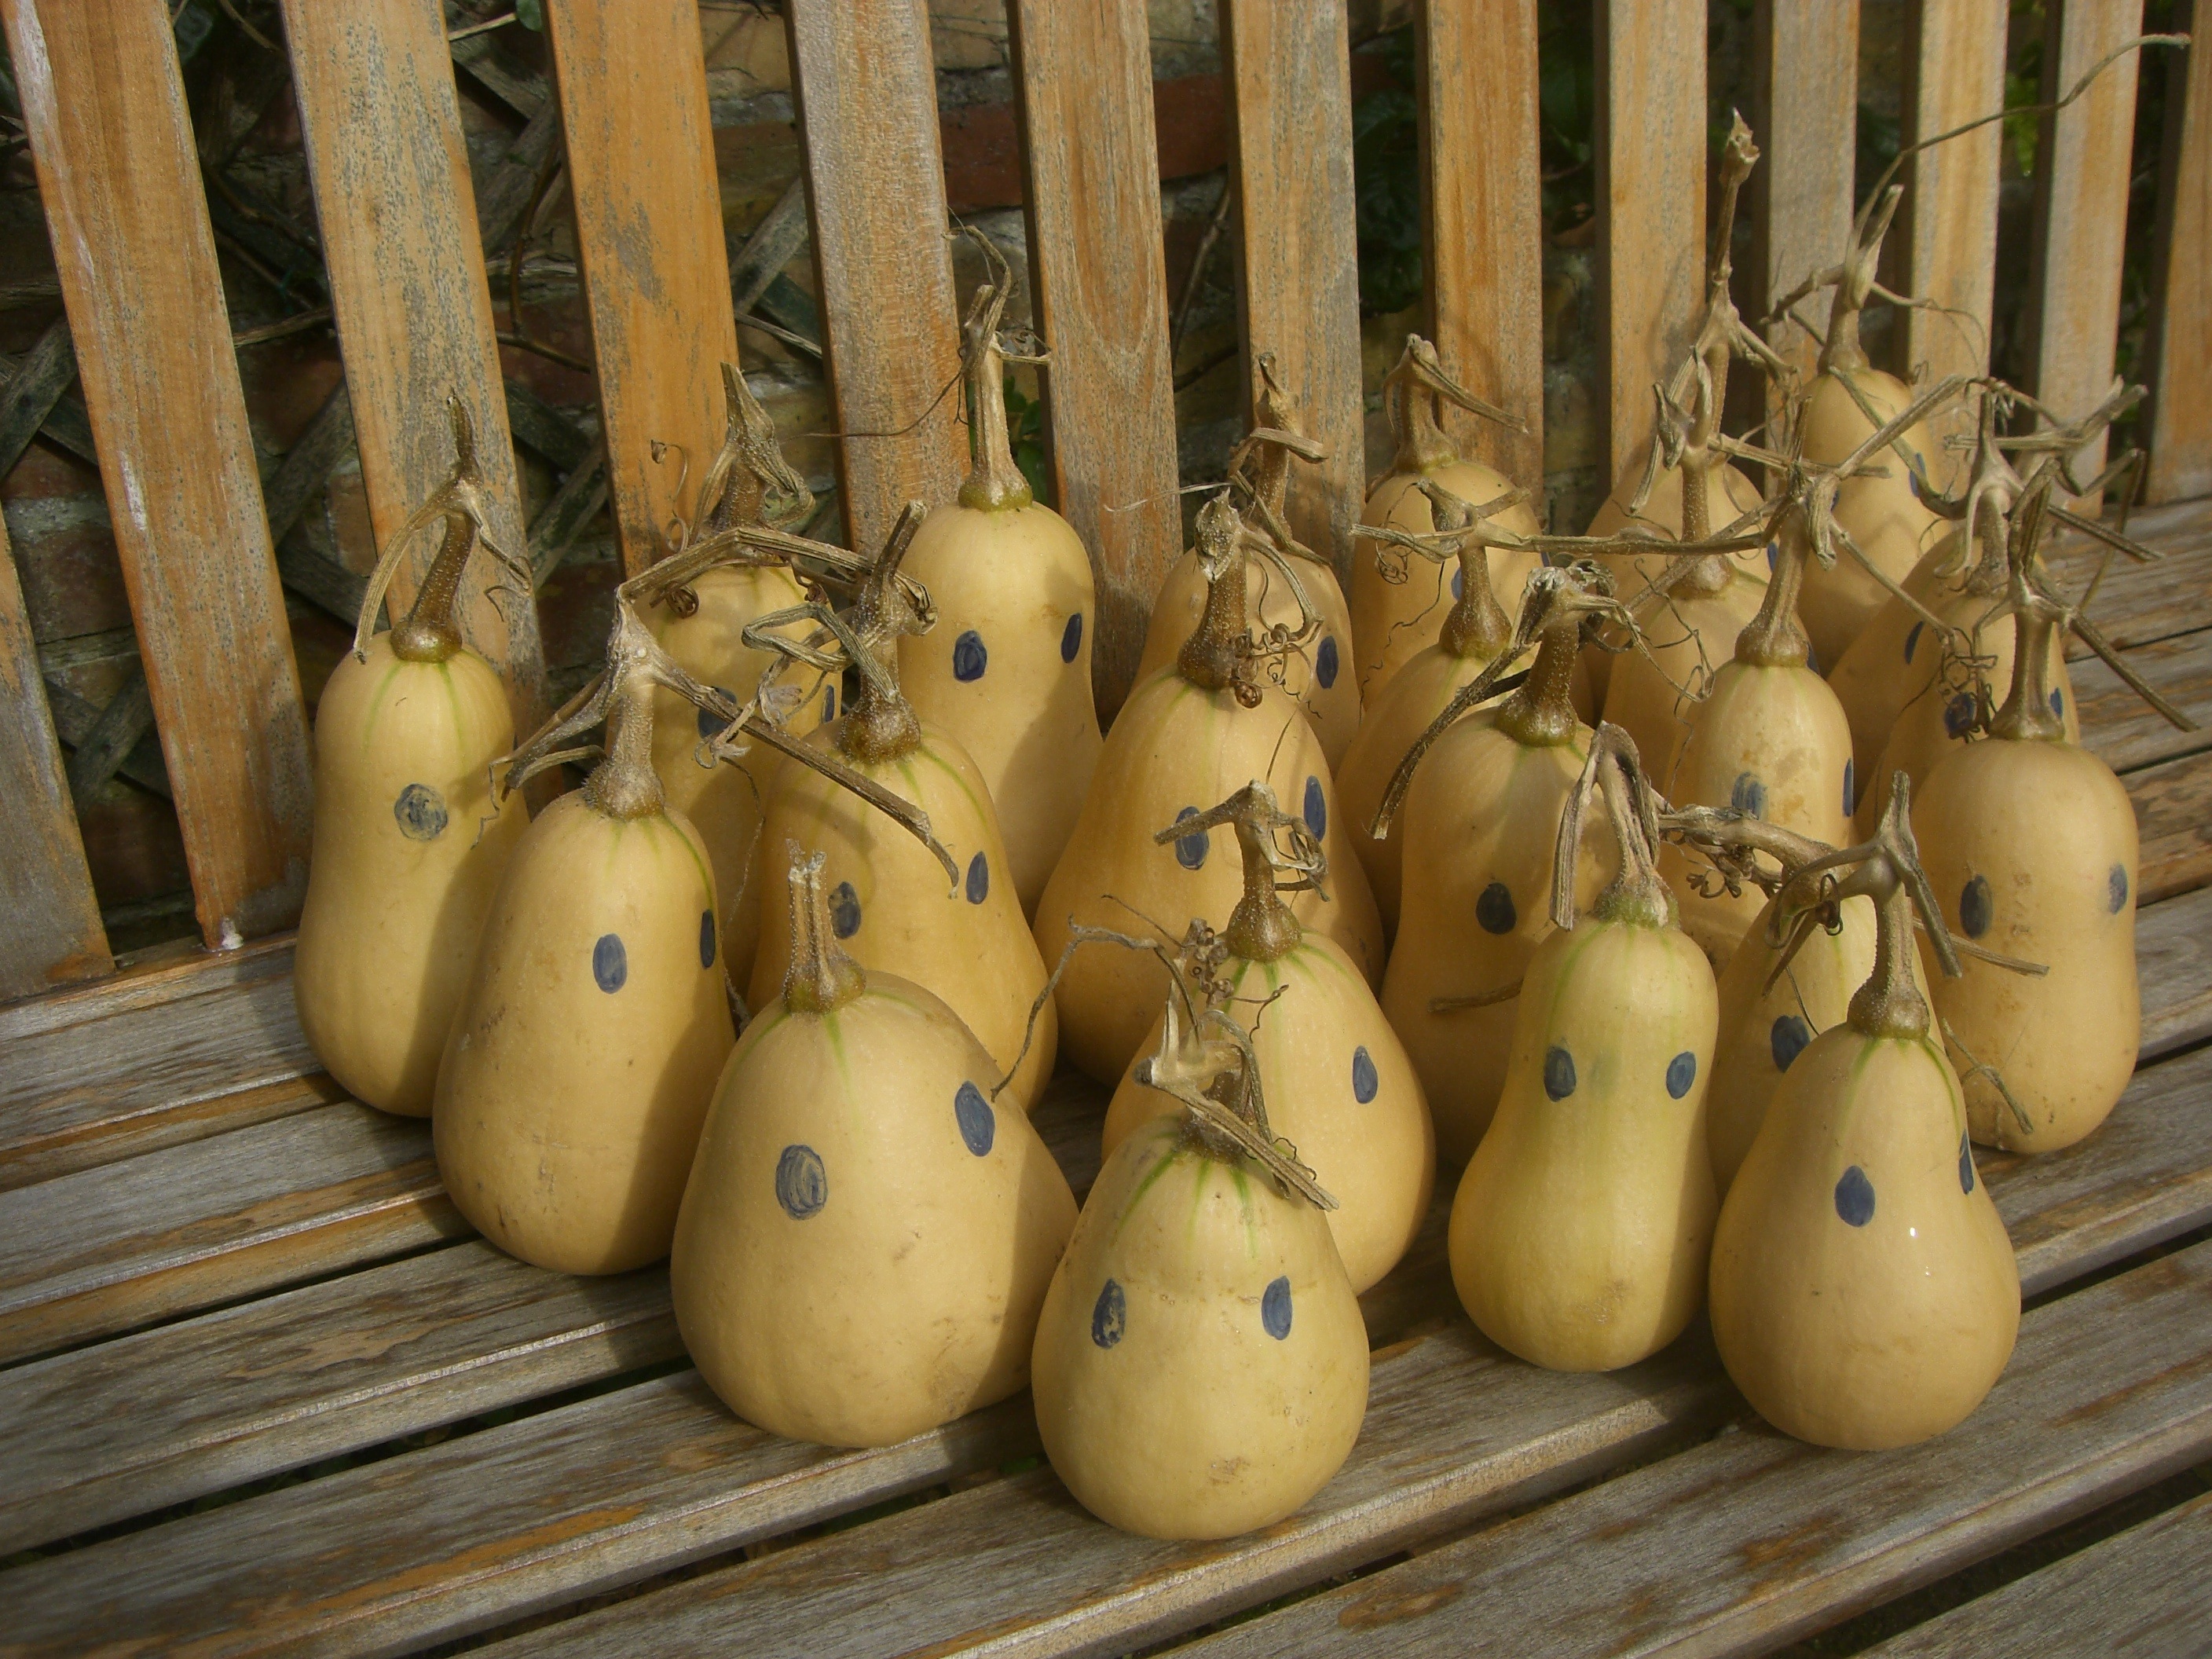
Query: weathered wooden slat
[[147, 984], [867, 92], [757, 260], [75, 719], [40, 1144], [1805, 105], [1483, 231], [2141, 1594], [328, 1368], [104, 109], [2173, 959], [633, 86], [1752, 1538], [2125, 731], [2082, 164], [2173, 817], [33, 389], [2136, 603], [118, 1246], [53, 935], [121, 727], [2181, 320], [306, 466], [553, 434], [1099, 272], [382, 126], [511, 180], [1290, 80], [1650, 202]]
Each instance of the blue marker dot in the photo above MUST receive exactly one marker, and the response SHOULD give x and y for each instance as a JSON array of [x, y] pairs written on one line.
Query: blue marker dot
[[1275, 1309], [1316, 809], [1363, 1081], [1325, 662], [1494, 909], [1773, 555], [1855, 1197], [802, 1186], [1966, 1165], [969, 658], [1682, 1073], [2059, 704], [2116, 888], [979, 879], [1748, 796], [1958, 714], [1974, 909], [828, 703], [1071, 638], [421, 811], [844, 910], [1787, 1040], [1110, 1316], [1190, 849], [1912, 476], [1459, 584], [705, 939], [709, 721], [1912, 640], [1851, 787], [1558, 1073], [609, 963], [1812, 658], [979, 1125]]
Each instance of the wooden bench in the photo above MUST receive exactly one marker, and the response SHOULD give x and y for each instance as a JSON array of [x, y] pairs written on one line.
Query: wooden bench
[[261, 1391]]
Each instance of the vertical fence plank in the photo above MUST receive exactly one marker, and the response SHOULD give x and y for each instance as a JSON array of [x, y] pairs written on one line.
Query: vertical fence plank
[[1651, 200], [1804, 111], [1084, 75], [397, 213], [53, 936], [104, 109], [633, 85], [2181, 418], [1483, 231], [2081, 166], [866, 90], [1289, 76]]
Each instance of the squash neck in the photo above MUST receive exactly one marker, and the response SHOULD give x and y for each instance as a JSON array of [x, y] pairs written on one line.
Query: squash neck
[[624, 786]]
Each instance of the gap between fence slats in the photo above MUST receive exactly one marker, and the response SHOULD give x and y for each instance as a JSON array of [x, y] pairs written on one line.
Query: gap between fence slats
[[2181, 319]]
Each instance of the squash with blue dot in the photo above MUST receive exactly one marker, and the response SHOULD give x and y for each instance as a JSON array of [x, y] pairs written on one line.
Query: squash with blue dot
[[866, 1234]]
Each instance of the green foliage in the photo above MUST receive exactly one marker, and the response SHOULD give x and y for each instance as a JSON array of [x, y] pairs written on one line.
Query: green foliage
[[1566, 97], [1025, 432], [1386, 165]]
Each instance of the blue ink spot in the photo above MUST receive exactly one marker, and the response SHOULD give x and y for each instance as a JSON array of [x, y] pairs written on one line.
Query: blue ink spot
[[705, 939], [828, 703], [609, 963], [1316, 809], [2116, 888], [1275, 1309], [1325, 662], [801, 1185], [1787, 1040], [710, 722], [1912, 476], [969, 658], [1812, 657], [1363, 1081], [1682, 1073], [1071, 638], [1851, 787], [1558, 1073], [1190, 849], [1110, 1316], [1974, 908], [1748, 796], [979, 1125], [2059, 704], [421, 811], [1855, 1197], [1912, 640], [1773, 555], [1966, 1165], [979, 879], [1958, 714], [1459, 584], [844, 910], [1494, 909]]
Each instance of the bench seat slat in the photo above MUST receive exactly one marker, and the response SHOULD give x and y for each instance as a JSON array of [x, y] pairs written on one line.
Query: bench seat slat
[[2126, 733]]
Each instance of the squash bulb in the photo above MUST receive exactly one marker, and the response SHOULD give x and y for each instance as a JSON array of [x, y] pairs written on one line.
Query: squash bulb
[[1179, 742], [2031, 849], [1481, 824], [585, 1049], [1007, 668], [1651, 692], [1394, 621], [1200, 1367], [866, 1237], [1769, 740], [1580, 1231], [1340, 1085], [1864, 1294]]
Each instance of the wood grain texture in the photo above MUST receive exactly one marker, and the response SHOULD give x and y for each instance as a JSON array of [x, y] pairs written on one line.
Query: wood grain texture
[[148, 982], [40, 377], [118, 1246], [2173, 960], [398, 215], [105, 110], [1805, 106], [2082, 163], [2173, 821], [867, 92], [633, 85], [2123, 730], [2141, 1594], [53, 935], [1099, 273], [1753, 1539], [38, 1144], [1483, 233], [2137, 604], [1651, 202], [2181, 320], [1290, 80]]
